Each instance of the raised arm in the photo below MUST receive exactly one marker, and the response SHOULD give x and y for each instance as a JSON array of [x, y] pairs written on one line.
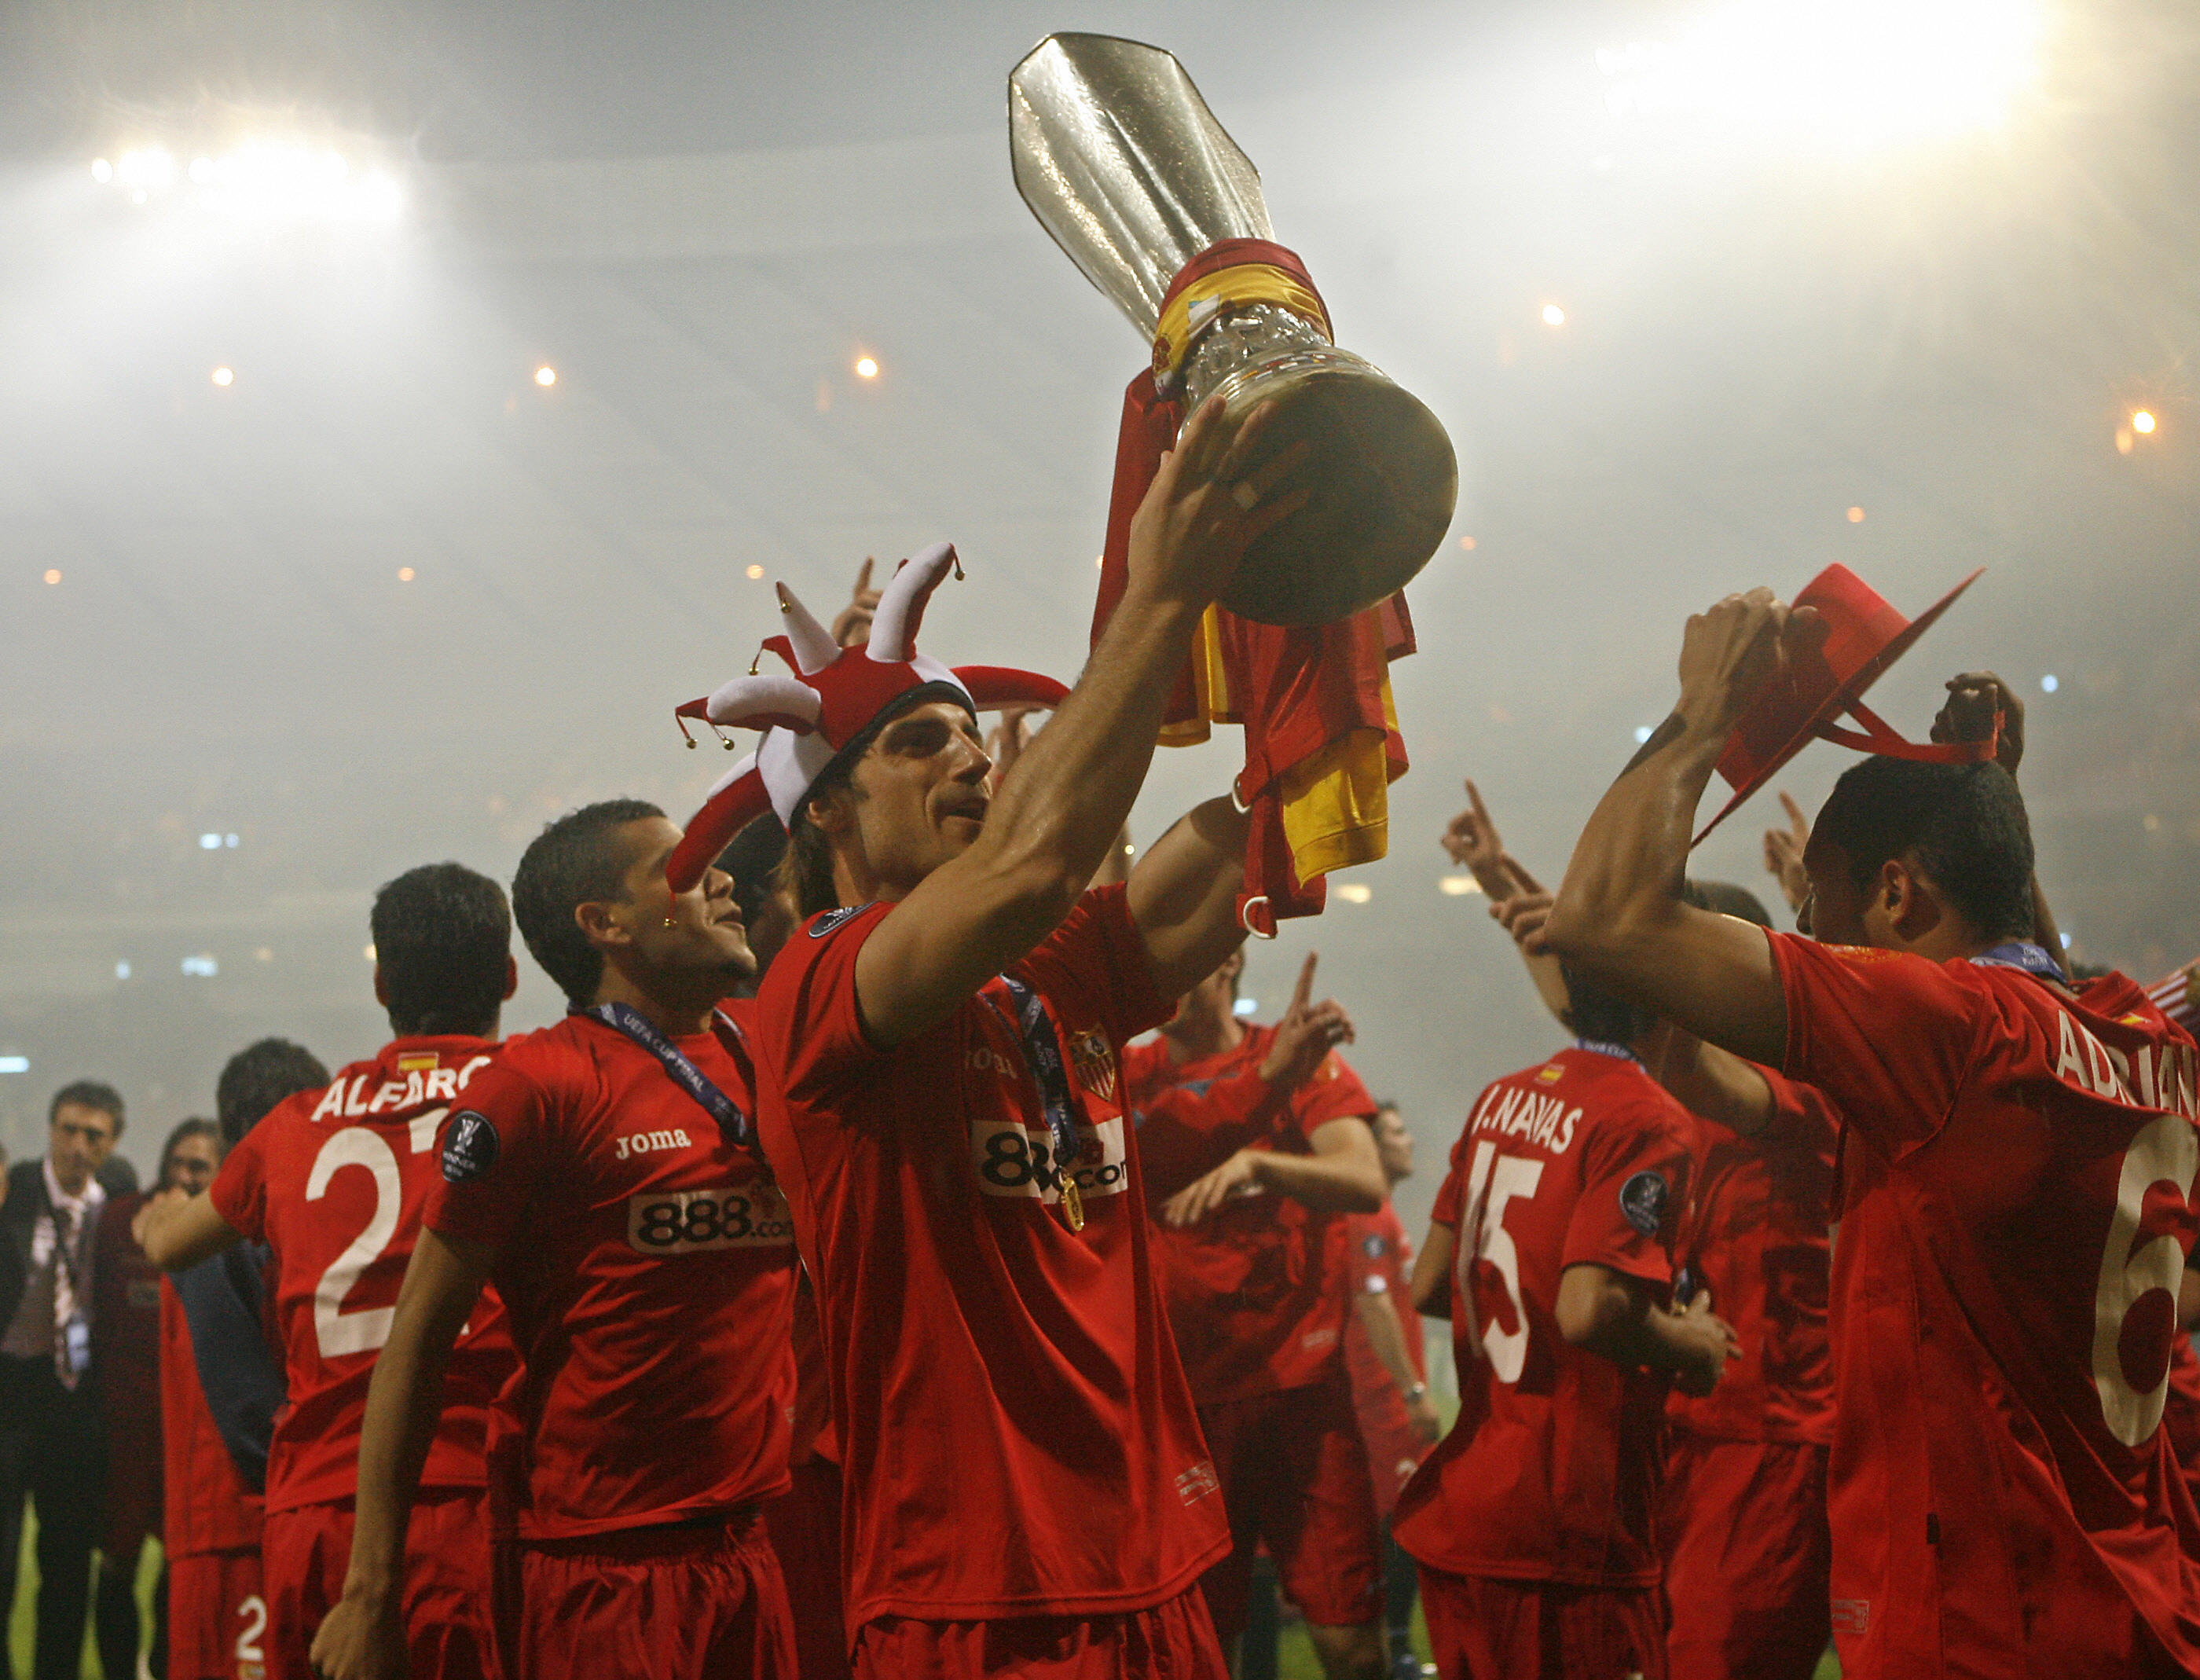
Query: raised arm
[[1058, 812], [1619, 914], [363, 1638], [1473, 842]]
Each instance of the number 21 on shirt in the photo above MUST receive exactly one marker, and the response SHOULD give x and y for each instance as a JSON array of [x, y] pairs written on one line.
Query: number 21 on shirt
[[340, 1333], [1493, 1180]]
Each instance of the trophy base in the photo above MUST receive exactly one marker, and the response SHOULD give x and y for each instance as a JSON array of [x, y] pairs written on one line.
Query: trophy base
[[1383, 479]]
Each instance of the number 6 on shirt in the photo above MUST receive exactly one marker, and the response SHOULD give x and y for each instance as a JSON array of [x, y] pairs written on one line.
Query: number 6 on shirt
[[2166, 1151], [1493, 1180]]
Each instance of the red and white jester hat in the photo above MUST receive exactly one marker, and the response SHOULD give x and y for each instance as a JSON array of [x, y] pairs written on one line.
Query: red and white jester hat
[[831, 695]]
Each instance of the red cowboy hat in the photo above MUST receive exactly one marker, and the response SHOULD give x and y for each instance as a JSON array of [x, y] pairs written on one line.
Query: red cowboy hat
[[1864, 635]]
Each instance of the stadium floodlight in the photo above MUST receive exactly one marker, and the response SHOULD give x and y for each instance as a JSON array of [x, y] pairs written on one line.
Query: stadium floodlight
[[1867, 72], [260, 180]]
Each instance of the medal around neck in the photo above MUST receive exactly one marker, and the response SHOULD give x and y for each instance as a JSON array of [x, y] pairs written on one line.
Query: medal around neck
[[1122, 162]]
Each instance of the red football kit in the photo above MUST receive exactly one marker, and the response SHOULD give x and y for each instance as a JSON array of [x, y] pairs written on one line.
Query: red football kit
[[1532, 1519], [126, 1356], [645, 1260], [1742, 1513], [1017, 1439], [1256, 1297], [333, 1181], [210, 1524], [1379, 1261], [2014, 1219]]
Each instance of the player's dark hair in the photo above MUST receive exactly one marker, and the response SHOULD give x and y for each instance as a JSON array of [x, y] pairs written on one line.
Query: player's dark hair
[[184, 1132], [1964, 824], [257, 1078], [88, 1094], [443, 935], [1594, 1013], [753, 859], [573, 861], [1727, 899]]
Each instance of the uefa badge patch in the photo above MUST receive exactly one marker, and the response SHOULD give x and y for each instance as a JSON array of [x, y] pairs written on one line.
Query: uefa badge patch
[[832, 919], [1642, 1199], [469, 1147], [1094, 1058]]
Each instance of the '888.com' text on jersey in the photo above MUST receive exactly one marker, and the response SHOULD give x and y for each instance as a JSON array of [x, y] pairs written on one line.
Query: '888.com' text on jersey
[[1014, 1157], [646, 1259]]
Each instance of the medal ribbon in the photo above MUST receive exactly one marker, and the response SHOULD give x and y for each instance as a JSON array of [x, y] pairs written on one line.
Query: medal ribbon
[[732, 1121], [1043, 1056], [2033, 959], [1606, 1047]]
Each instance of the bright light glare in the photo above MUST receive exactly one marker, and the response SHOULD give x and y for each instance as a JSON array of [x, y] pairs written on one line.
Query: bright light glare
[[53, 574], [223, 376], [2049, 683], [1458, 885], [755, 573], [2142, 422], [263, 181], [405, 574], [1246, 1007], [1869, 71], [1355, 892], [1553, 316], [866, 368], [1856, 516], [545, 376], [14, 1064]]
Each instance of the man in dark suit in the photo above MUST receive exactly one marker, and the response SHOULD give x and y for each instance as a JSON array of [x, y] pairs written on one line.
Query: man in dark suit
[[49, 1421]]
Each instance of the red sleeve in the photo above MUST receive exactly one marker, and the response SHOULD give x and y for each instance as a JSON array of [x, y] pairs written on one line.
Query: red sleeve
[[488, 1156], [1886, 1035], [1801, 1113], [1368, 1265], [1635, 1181], [807, 1020], [1097, 957], [239, 1189], [1452, 1194], [1334, 1092]]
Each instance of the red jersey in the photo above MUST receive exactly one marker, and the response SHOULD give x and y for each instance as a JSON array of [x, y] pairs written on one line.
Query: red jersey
[[1551, 1470], [1017, 1438], [1379, 1261], [1756, 1233], [2013, 1227], [333, 1181], [206, 1505], [648, 1267], [126, 1331], [1257, 1290]]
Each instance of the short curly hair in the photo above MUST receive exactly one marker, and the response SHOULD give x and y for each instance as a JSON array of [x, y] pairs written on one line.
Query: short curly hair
[[571, 863]]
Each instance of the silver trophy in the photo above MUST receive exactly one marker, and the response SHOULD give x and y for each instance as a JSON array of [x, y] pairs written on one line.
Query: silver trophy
[[1122, 162]]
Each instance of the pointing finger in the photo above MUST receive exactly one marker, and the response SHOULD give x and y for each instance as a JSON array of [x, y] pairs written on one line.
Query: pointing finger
[[1304, 992]]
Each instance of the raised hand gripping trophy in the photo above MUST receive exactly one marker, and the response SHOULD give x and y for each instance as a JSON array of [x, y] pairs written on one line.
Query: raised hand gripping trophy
[[1122, 161]]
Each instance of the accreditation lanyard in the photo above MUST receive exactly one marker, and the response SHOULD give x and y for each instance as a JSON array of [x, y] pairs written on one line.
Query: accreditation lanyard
[[1042, 1056], [2033, 959], [733, 1122]]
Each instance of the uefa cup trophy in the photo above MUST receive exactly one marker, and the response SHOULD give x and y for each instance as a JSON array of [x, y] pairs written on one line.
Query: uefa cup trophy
[[1122, 161]]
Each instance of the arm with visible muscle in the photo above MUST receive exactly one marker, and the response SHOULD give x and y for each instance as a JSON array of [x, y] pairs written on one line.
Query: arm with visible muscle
[[363, 1637], [1059, 811], [1620, 916], [1614, 1316], [177, 1231]]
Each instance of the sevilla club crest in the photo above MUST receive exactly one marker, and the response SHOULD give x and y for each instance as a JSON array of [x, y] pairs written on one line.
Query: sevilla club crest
[[1095, 1058]]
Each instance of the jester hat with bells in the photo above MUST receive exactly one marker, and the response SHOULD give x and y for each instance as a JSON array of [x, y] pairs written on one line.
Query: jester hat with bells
[[829, 699]]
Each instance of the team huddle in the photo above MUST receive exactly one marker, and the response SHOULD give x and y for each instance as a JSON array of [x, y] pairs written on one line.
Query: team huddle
[[848, 1285]]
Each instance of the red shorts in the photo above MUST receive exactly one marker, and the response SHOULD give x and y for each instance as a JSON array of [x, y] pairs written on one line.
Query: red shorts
[[1295, 1477], [217, 1619], [1173, 1641], [305, 1552], [693, 1601], [1748, 1558], [1484, 1628], [805, 1526]]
